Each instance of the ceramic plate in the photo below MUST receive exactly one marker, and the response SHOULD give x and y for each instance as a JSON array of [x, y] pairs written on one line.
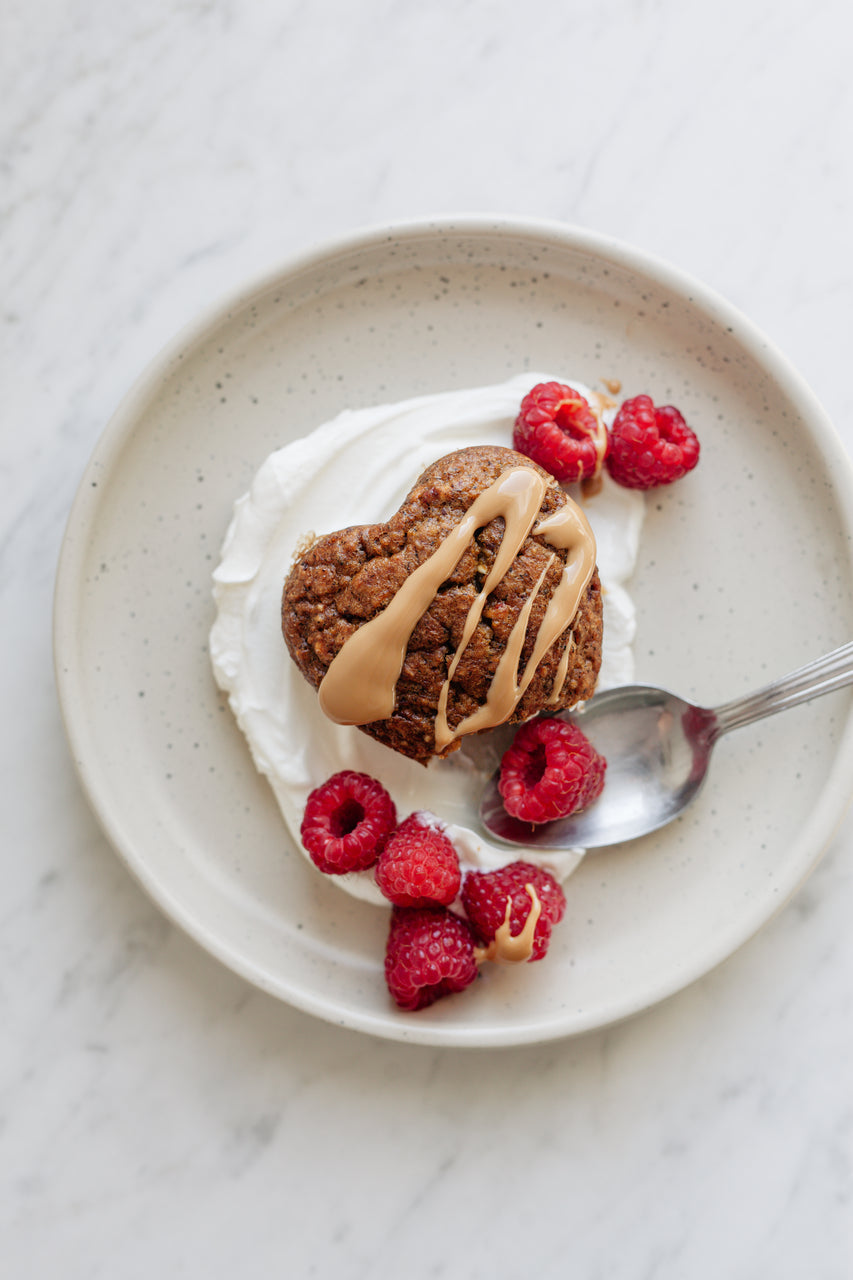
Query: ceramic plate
[[744, 573]]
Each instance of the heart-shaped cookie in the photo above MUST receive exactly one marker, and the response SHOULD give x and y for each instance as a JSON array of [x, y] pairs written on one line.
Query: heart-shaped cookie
[[478, 603]]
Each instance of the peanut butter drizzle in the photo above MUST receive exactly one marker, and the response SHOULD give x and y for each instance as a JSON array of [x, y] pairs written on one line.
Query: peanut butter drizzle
[[506, 948], [360, 684], [598, 403], [562, 671], [505, 690], [567, 534]]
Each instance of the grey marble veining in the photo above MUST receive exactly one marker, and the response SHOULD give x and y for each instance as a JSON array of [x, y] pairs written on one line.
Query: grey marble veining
[[157, 1114]]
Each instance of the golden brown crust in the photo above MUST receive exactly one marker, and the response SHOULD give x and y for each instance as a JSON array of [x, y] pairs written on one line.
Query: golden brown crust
[[348, 577]]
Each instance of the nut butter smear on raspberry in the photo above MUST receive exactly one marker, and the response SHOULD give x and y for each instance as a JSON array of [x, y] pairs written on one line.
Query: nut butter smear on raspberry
[[359, 686], [507, 947]]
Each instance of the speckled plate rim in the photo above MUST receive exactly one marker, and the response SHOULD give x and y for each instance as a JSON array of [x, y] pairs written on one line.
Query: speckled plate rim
[[815, 835]]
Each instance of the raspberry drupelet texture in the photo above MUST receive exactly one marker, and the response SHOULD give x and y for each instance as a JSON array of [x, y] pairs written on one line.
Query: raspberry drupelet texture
[[419, 866], [557, 428], [649, 445], [430, 954], [485, 895], [346, 822], [550, 770]]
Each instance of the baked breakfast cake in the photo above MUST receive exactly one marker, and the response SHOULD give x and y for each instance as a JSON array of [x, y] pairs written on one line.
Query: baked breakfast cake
[[478, 603]]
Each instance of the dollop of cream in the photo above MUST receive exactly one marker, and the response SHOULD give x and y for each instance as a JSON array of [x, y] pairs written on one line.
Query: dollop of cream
[[357, 469]]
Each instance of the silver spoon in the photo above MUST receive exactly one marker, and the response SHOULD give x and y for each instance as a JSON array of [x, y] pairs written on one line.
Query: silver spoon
[[657, 748]]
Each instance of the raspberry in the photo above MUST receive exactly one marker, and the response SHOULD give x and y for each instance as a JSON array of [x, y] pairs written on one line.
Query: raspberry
[[650, 446], [430, 954], [557, 428], [486, 894], [419, 866], [346, 822], [550, 770]]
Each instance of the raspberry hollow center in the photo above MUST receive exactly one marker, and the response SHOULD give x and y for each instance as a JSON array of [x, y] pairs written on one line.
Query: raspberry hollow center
[[535, 766], [568, 418], [346, 818]]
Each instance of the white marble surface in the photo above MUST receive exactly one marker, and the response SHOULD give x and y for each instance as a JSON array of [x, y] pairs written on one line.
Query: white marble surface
[[159, 1116]]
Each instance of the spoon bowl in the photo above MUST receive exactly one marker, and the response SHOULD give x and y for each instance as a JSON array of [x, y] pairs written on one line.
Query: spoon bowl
[[658, 748]]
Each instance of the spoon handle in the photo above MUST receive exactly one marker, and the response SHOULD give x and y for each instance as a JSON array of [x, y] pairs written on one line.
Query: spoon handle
[[824, 675]]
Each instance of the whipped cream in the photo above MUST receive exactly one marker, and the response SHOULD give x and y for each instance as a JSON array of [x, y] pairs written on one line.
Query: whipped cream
[[357, 469]]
